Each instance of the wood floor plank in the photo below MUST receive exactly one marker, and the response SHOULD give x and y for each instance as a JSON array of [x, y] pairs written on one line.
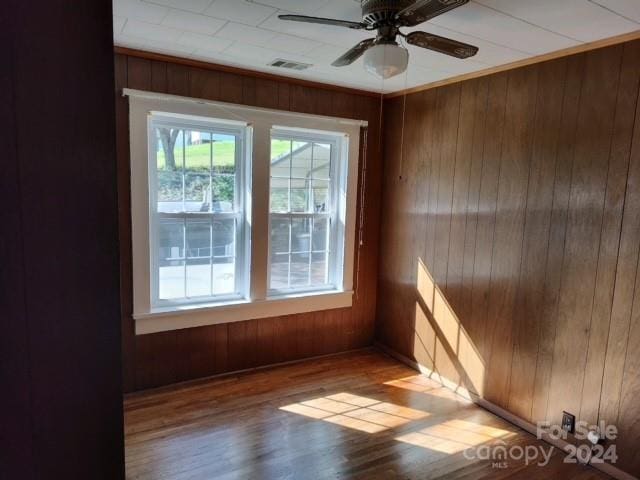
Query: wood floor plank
[[359, 415]]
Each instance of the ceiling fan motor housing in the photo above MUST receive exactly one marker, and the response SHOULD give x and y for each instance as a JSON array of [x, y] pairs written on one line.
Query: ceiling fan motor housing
[[380, 12]]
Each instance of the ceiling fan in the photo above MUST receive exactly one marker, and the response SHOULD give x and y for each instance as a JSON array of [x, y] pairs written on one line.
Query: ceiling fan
[[384, 57]]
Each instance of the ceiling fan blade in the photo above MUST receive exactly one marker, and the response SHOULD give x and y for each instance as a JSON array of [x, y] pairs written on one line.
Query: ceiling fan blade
[[323, 21], [441, 44], [423, 10], [355, 53]]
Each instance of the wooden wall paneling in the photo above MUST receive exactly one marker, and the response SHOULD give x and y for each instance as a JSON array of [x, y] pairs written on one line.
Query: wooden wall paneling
[[177, 79], [371, 207], [449, 117], [342, 104], [195, 354], [138, 73], [509, 228], [626, 278], [419, 156], [493, 135], [530, 294], [574, 70], [411, 151], [325, 102], [231, 88], [249, 91], [357, 299], [620, 150], [284, 96], [387, 262], [221, 352], [586, 203], [59, 166], [124, 231], [545, 282], [628, 410], [460, 200], [204, 84], [266, 93], [16, 437], [265, 336], [475, 175], [308, 327], [159, 76], [302, 99], [155, 359]]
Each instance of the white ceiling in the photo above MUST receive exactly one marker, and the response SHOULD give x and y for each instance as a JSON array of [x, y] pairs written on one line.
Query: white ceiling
[[248, 34]]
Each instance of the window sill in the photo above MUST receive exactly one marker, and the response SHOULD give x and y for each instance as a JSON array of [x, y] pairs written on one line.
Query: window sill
[[198, 315]]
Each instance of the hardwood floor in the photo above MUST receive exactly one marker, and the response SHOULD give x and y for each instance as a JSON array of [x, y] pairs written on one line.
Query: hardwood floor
[[355, 415]]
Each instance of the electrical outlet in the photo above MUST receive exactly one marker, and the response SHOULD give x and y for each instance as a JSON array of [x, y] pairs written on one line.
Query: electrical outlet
[[568, 422]]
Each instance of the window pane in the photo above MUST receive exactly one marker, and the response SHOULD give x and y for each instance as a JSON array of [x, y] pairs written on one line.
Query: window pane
[[299, 198], [224, 275], [223, 187], [197, 171], [196, 192], [301, 156], [319, 269], [280, 235], [169, 149], [320, 234], [197, 152], [279, 274], [300, 187], [198, 238], [224, 248], [224, 173], [224, 153], [280, 158], [169, 172], [300, 269], [300, 234], [171, 259], [279, 195], [321, 160], [224, 236], [320, 196]]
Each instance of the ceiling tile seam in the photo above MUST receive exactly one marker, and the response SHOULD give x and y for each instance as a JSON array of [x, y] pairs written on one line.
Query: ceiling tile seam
[[124, 24], [256, 2], [151, 2], [611, 10], [478, 2]]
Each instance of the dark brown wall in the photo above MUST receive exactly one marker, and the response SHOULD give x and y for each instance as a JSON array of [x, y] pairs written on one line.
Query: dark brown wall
[[520, 192], [163, 358], [60, 343]]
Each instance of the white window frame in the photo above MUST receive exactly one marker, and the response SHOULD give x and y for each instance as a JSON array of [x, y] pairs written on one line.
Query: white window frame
[[257, 301], [243, 229]]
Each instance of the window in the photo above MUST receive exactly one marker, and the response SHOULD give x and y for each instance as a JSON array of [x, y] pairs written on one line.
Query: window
[[238, 212], [303, 215], [196, 172]]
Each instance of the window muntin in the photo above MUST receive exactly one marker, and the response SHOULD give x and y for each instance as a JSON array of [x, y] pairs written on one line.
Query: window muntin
[[303, 242], [196, 171]]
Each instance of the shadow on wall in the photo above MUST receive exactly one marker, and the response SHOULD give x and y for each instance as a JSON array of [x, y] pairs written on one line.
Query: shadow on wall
[[441, 343]]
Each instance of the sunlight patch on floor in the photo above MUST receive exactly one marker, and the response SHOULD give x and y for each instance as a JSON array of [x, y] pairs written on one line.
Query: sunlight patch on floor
[[454, 436], [357, 412]]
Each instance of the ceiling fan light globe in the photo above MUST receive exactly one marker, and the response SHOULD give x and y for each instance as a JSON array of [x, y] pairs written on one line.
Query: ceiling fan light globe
[[386, 60]]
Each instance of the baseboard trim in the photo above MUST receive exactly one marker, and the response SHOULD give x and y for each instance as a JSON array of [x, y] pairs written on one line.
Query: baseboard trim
[[496, 410]]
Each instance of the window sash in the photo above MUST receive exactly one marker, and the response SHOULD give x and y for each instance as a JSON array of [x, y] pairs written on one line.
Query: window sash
[[332, 258], [238, 214]]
